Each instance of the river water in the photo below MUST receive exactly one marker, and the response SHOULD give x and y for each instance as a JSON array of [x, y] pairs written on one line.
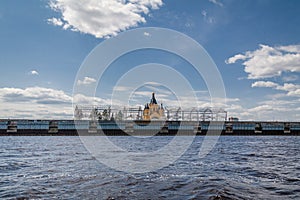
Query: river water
[[249, 167]]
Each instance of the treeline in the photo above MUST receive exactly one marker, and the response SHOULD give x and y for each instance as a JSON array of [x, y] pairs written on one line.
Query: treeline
[[96, 114]]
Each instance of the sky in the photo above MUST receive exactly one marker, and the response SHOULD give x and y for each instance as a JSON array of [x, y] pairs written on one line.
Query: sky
[[255, 45]]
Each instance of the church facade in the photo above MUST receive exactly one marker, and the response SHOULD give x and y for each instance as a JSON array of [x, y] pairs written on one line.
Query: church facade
[[153, 111]]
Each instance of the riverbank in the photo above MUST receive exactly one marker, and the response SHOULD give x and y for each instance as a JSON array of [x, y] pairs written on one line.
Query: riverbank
[[147, 128]]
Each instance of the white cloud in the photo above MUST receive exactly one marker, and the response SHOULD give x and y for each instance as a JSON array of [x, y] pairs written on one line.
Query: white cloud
[[294, 93], [216, 2], [261, 108], [35, 103], [122, 88], [34, 94], [47, 103], [235, 58], [267, 61], [273, 106], [274, 109], [33, 72], [290, 88], [55, 21], [83, 100], [264, 84], [232, 99], [103, 18], [289, 78], [290, 48], [43, 103], [146, 34], [86, 81]]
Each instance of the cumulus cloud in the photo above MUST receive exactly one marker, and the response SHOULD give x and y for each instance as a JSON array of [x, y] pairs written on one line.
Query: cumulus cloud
[[279, 110], [35, 102], [42, 103], [86, 81], [290, 88], [264, 84], [101, 18], [267, 61], [34, 95], [47, 103], [233, 59], [280, 106], [294, 93]]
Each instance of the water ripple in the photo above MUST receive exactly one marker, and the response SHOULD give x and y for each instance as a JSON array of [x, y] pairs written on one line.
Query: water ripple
[[237, 168]]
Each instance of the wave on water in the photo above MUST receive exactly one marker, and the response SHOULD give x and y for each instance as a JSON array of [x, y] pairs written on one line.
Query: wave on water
[[237, 168]]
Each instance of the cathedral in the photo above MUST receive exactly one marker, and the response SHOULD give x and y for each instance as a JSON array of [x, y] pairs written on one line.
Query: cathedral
[[153, 111]]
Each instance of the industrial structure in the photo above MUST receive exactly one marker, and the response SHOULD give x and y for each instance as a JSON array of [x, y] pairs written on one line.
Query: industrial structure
[[151, 111], [153, 119]]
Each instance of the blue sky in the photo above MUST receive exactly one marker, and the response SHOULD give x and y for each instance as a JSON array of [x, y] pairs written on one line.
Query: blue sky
[[255, 45]]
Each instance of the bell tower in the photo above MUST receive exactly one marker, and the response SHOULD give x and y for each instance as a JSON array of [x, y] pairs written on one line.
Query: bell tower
[[153, 100]]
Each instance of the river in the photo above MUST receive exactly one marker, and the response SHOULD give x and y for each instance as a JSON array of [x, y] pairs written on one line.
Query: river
[[238, 167]]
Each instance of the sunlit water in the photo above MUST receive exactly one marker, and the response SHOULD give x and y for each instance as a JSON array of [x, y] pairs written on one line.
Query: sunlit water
[[237, 168]]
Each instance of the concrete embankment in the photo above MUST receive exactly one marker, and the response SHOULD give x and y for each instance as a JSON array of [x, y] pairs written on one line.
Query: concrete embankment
[[123, 128]]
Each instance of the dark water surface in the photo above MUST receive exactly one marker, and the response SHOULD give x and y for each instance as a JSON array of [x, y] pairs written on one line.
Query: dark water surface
[[238, 168]]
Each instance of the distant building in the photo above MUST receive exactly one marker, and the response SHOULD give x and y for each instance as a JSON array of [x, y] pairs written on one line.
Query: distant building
[[153, 110], [233, 119]]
